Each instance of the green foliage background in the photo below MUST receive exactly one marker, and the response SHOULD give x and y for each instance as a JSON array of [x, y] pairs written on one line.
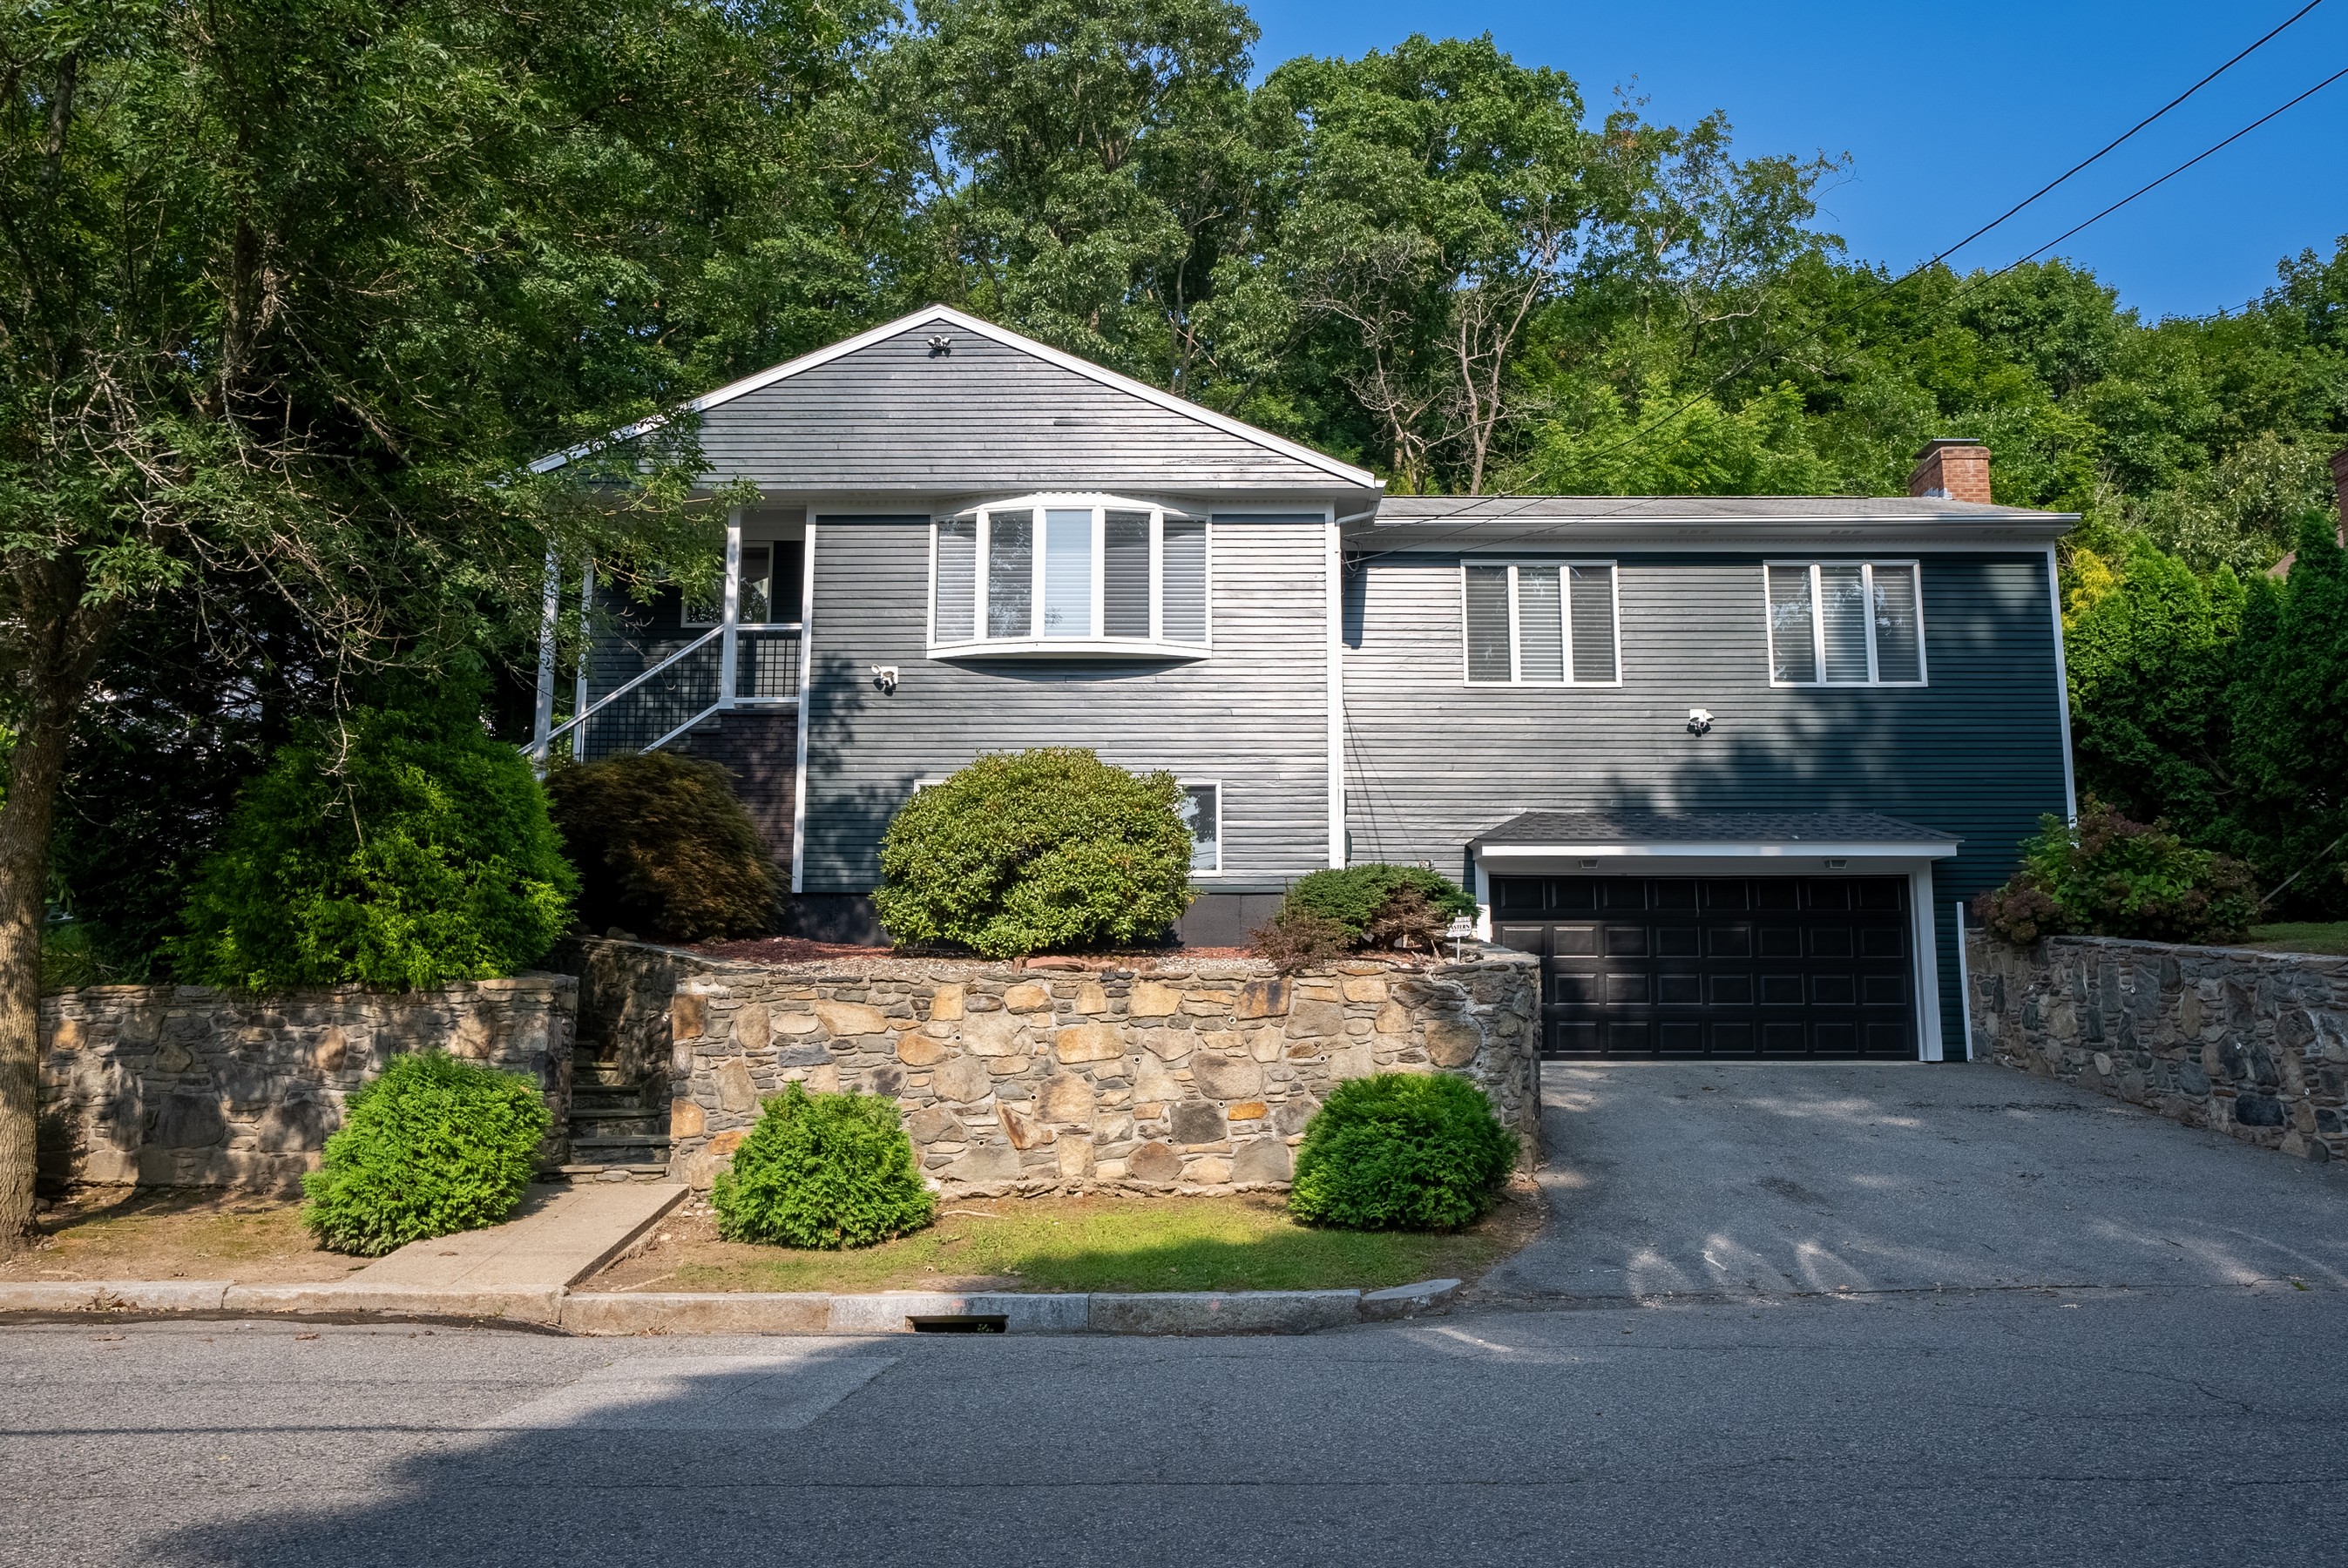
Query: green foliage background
[[823, 1171], [1037, 851], [432, 1146]]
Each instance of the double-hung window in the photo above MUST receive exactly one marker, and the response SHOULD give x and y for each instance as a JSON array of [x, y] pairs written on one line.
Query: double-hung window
[[1845, 624], [1051, 574], [1540, 623]]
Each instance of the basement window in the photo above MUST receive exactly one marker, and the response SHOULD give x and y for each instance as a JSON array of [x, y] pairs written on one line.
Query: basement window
[[1845, 624], [1059, 574]]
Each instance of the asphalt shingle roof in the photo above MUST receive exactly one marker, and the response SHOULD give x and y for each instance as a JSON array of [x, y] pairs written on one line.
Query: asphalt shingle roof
[[1534, 827]]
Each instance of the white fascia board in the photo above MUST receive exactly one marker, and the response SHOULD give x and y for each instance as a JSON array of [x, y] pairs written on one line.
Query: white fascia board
[[943, 315], [1914, 849]]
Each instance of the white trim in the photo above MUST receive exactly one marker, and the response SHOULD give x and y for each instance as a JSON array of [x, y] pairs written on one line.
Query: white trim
[[1744, 849], [1034, 643], [1926, 941], [1332, 566], [2062, 689], [1565, 566], [943, 315], [1867, 618], [1484, 905], [806, 675], [1965, 981], [1217, 785]]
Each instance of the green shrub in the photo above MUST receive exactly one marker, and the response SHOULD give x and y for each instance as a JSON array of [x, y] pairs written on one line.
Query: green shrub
[[433, 1146], [823, 1171], [664, 848], [1401, 1151], [2114, 877], [1040, 851], [1377, 903], [412, 849]]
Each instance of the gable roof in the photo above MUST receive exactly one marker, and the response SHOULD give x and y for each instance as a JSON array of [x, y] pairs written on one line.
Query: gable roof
[[886, 410]]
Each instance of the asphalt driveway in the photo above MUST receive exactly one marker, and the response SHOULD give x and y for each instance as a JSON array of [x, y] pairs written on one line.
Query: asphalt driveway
[[1728, 1180]]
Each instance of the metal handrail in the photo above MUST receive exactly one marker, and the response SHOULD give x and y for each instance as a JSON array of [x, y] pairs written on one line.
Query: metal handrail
[[539, 749]]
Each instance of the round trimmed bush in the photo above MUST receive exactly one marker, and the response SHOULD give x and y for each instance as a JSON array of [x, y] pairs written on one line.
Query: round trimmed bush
[[664, 848], [1034, 852], [1401, 1151], [433, 1146], [823, 1171]]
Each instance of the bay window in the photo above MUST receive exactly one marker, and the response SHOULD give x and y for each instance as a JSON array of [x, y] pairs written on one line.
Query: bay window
[[1054, 573]]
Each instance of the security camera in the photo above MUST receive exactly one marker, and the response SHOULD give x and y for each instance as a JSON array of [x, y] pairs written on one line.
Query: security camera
[[1699, 721], [885, 677]]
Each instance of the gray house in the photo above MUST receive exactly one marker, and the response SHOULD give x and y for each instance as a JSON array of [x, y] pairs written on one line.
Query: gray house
[[1731, 765]]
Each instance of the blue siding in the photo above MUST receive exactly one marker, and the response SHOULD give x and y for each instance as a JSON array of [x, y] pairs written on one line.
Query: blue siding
[[1977, 754]]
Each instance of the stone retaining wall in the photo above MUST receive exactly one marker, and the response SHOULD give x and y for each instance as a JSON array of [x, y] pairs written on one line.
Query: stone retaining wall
[[188, 1086], [1186, 1075], [2254, 1044]]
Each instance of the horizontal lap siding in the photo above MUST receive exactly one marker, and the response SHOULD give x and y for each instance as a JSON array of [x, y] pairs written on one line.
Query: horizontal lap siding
[[986, 417], [1977, 754], [1253, 716]]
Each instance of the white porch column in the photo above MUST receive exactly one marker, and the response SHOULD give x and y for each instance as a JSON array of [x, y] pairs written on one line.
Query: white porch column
[[733, 616], [549, 621], [586, 646]]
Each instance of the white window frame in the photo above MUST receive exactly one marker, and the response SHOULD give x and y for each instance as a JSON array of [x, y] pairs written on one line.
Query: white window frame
[[1818, 625], [1217, 785], [1565, 618], [1095, 640]]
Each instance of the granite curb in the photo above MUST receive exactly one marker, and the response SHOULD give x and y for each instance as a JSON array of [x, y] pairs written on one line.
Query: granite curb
[[597, 1313]]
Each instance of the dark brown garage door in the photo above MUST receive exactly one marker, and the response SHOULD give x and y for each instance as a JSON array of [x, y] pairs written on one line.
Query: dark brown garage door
[[1758, 965]]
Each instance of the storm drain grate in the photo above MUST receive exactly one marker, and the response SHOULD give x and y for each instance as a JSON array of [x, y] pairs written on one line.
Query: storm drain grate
[[971, 1323]]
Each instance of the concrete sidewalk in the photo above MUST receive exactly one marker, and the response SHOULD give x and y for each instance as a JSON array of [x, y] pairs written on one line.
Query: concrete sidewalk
[[562, 1235]]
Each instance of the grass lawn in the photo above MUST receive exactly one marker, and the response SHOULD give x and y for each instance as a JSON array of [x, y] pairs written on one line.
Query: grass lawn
[[2328, 938], [1245, 1243], [109, 1233]]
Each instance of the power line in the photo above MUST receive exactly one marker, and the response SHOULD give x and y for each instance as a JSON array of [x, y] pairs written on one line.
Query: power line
[[1965, 288]]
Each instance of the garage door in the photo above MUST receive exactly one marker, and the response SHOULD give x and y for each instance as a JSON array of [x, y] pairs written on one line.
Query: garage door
[[1759, 966]]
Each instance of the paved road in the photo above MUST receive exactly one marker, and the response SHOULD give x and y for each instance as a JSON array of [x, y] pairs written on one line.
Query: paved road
[[2186, 1413], [1673, 1179]]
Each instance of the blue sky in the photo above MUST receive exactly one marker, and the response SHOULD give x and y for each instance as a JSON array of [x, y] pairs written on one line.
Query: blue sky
[[1950, 114]]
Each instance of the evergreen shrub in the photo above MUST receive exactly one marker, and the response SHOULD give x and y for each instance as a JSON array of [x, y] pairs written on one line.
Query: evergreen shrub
[[433, 1146], [410, 849], [823, 1171], [2114, 877], [1401, 1151], [1378, 900], [1041, 851], [664, 848]]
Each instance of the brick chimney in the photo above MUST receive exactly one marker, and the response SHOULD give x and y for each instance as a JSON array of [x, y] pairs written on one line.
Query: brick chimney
[[1951, 468]]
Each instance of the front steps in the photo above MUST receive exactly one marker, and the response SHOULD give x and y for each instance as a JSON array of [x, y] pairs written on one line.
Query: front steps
[[619, 1129]]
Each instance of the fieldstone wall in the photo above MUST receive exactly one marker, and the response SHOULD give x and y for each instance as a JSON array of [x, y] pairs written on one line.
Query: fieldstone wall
[[2254, 1044], [1189, 1076], [188, 1086]]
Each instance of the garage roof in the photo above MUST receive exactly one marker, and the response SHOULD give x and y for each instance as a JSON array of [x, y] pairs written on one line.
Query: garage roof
[[1555, 832]]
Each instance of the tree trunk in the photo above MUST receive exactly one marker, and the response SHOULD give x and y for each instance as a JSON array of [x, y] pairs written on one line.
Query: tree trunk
[[63, 652]]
